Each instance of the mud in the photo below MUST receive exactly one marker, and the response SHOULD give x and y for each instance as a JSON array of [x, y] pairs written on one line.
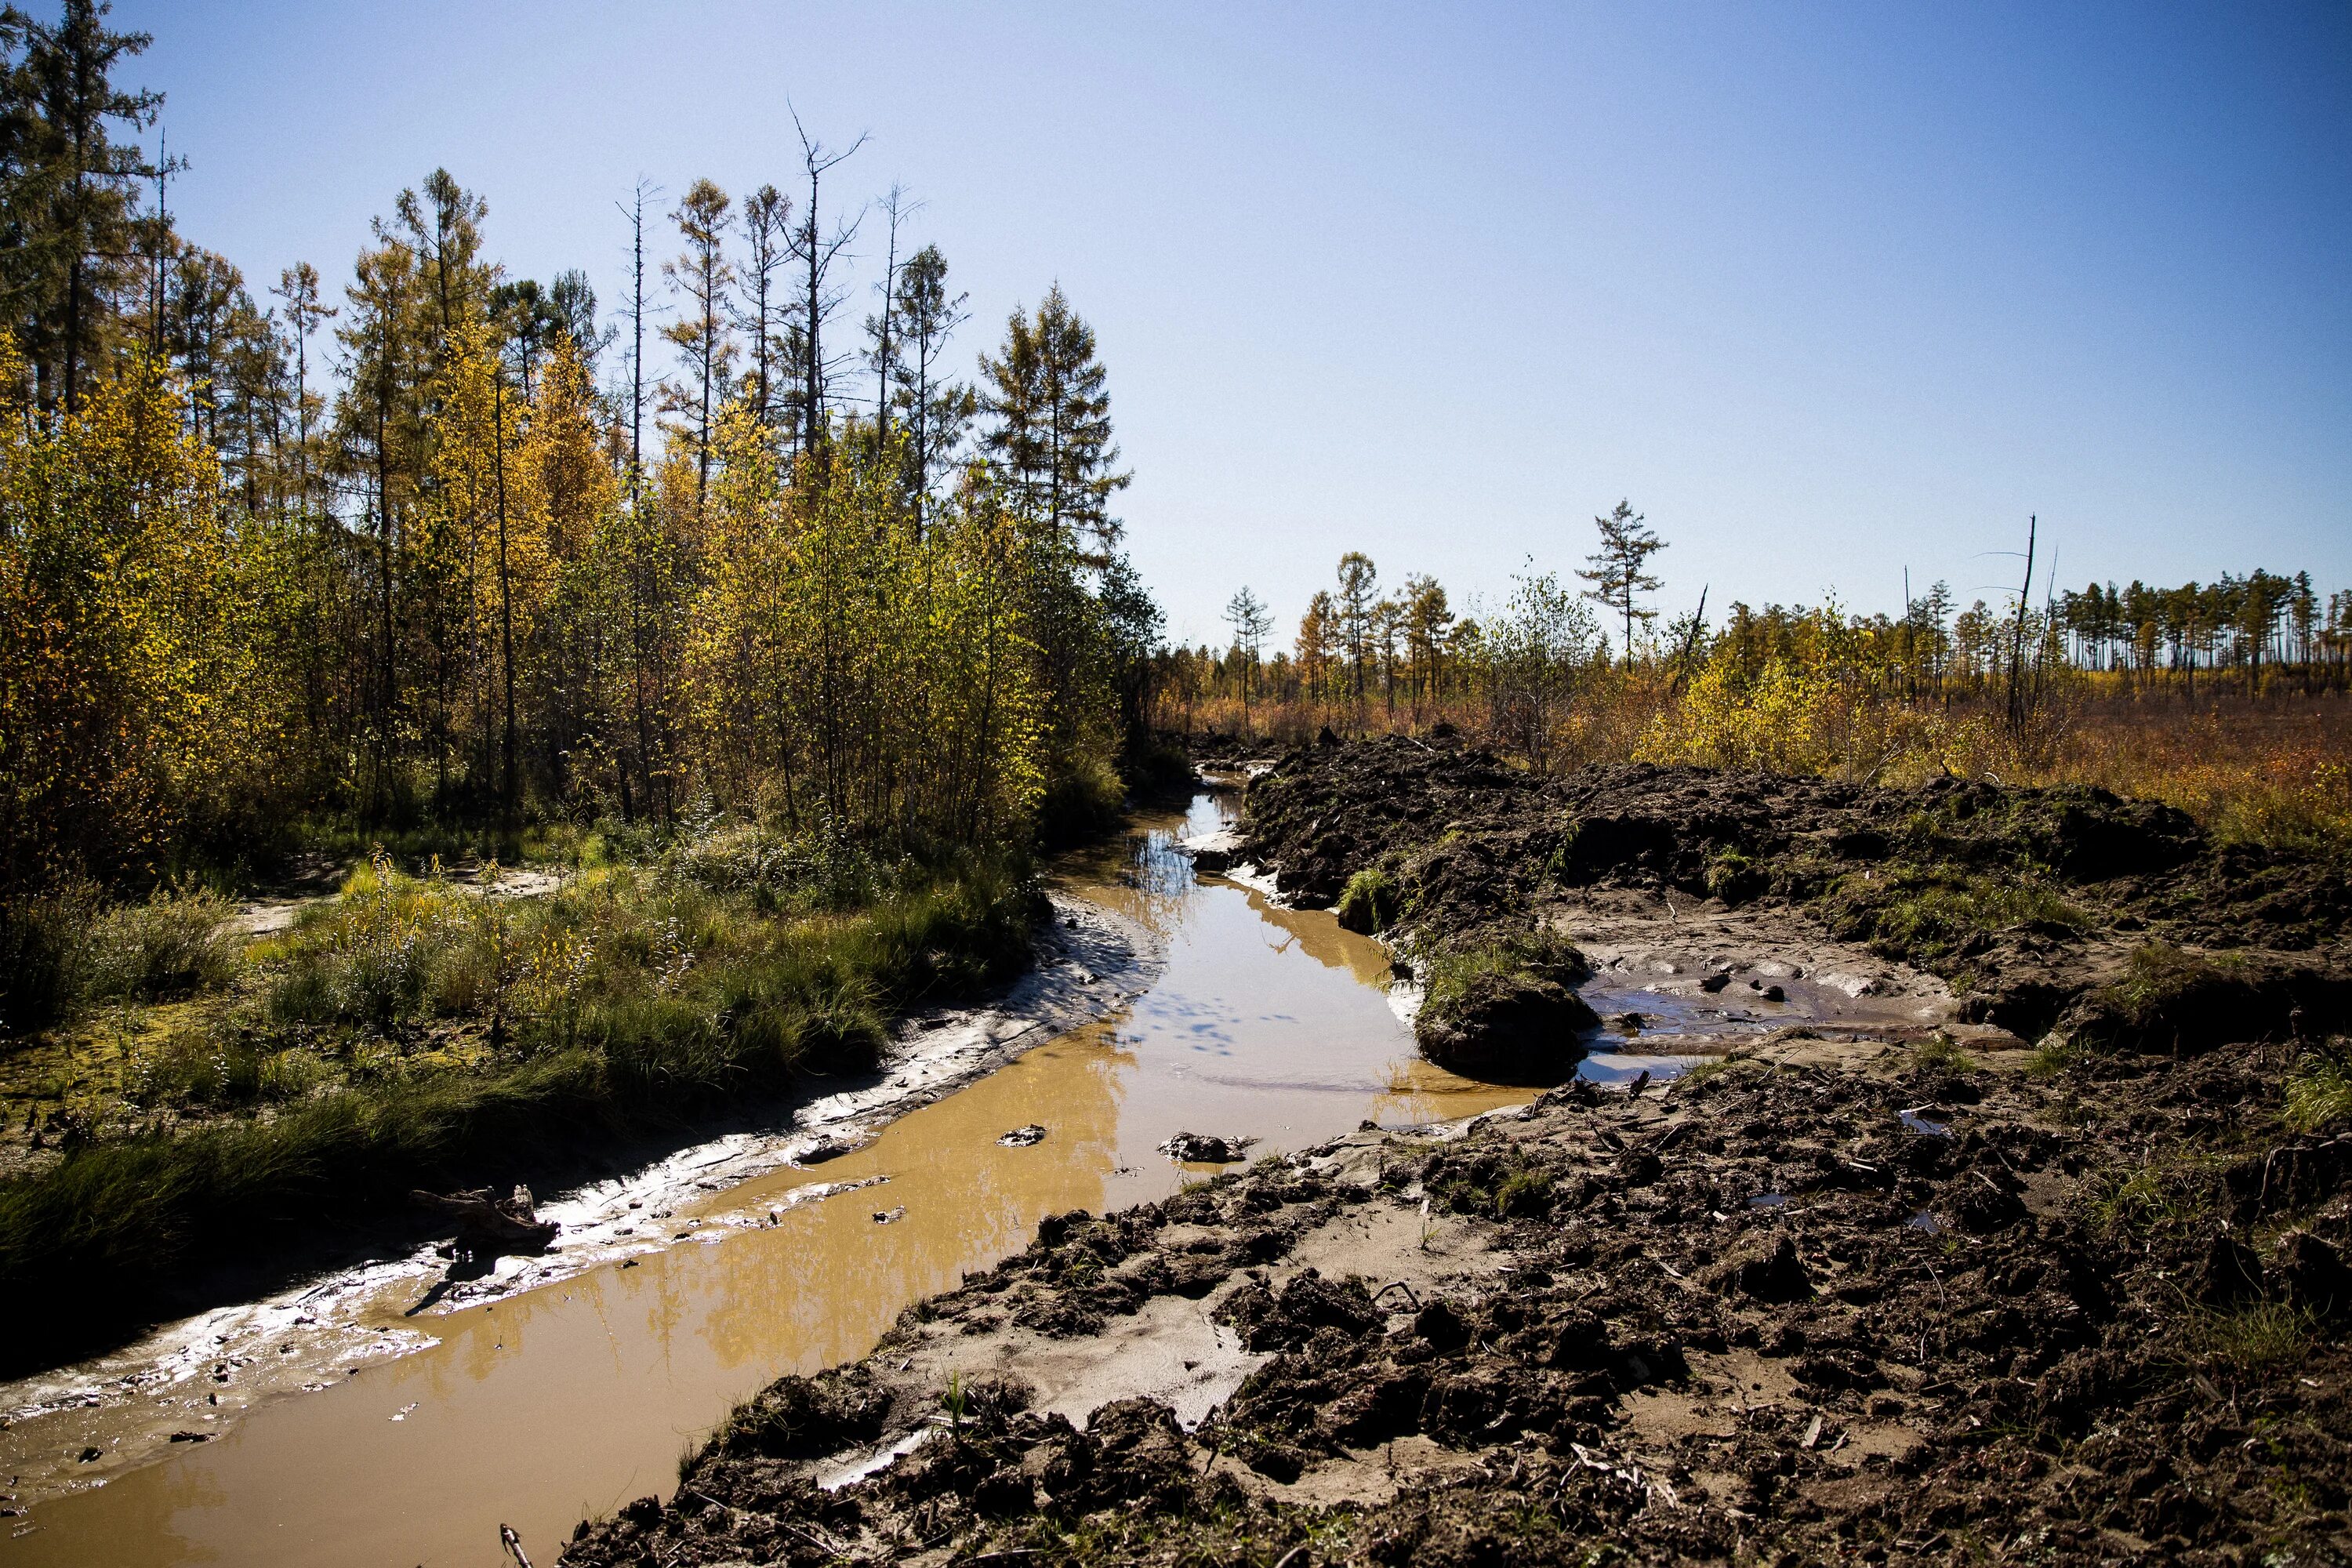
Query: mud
[[2025, 901], [1753, 1317], [1878, 1283]]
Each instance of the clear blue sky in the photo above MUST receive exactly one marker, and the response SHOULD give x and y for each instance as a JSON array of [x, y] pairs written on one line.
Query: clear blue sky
[[1825, 290]]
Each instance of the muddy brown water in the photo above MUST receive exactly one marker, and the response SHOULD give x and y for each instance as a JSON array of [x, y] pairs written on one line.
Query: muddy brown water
[[573, 1398]]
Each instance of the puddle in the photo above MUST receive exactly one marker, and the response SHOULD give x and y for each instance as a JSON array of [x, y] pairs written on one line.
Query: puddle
[[1614, 1068], [576, 1397], [1915, 1122], [1769, 1201], [1925, 1221]]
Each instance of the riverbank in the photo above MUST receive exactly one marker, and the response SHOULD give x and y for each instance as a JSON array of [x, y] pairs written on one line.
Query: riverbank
[[529, 1395], [2050, 1270], [415, 1033], [204, 1373]]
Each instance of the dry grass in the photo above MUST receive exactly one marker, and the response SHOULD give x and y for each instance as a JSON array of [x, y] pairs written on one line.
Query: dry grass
[[2275, 770], [2278, 771]]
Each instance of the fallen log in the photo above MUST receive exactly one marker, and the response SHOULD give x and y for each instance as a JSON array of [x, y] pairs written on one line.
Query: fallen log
[[486, 1224]]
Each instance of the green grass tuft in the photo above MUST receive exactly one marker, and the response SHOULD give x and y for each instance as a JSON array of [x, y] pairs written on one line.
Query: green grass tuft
[[2319, 1094], [1370, 902]]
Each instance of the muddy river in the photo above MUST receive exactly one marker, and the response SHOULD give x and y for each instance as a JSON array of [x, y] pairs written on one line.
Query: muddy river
[[572, 1398]]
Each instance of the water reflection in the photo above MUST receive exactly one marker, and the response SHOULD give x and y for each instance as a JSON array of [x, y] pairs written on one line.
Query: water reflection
[[579, 1396]]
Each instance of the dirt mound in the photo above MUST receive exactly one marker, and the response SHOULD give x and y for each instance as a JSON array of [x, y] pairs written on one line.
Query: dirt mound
[[1506, 1028], [2025, 899]]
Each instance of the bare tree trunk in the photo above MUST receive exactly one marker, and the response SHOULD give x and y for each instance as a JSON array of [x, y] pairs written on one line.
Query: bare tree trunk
[[2017, 638], [506, 585]]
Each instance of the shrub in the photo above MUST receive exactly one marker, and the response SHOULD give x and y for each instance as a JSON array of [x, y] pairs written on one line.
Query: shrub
[[775, 870], [63, 950], [43, 946], [178, 941], [1082, 803], [208, 1071]]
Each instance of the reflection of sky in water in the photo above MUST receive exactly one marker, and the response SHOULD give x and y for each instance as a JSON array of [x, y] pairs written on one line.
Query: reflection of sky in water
[[1205, 1024], [1623, 1067], [582, 1390]]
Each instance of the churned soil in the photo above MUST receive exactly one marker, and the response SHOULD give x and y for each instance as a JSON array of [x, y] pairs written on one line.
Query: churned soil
[[1844, 1295], [2028, 901], [1833, 1302]]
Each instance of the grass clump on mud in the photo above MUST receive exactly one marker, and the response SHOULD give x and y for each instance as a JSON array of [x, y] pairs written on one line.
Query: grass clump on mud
[[1503, 1008], [1930, 917], [1370, 902], [418, 1031], [2319, 1093]]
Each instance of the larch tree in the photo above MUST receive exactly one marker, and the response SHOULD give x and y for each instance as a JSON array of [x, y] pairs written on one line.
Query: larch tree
[[1051, 435], [817, 252], [702, 276], [1617, 569], [767, 243], [443, 224], [1359, 592], [297, 287], [882, 330], [1251, 620], [1316, 638], [635, 211], [1426, 621], [934, 412], [68, 194]]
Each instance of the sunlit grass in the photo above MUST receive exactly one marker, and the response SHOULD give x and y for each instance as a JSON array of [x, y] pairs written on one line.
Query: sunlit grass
[[412, 1027]]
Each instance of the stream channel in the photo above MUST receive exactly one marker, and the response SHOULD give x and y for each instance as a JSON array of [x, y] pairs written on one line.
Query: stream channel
[[552, 1403]]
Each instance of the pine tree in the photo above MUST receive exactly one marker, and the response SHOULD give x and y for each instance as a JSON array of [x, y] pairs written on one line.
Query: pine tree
[[767, 225], [936, 412], [816, 252], [1315, 642], [297, 287], [68, 194], [443, 225], [882, 330], [1360, 583], [1427, 619], [1251, 620], [1615, 570]]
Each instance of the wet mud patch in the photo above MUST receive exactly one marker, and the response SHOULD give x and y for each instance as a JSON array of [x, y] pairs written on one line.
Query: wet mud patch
[[1575, 1328], [2020, 903]]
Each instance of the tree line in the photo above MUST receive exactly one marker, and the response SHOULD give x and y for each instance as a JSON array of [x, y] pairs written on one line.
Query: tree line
[[1370, 659], [447, 542]]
